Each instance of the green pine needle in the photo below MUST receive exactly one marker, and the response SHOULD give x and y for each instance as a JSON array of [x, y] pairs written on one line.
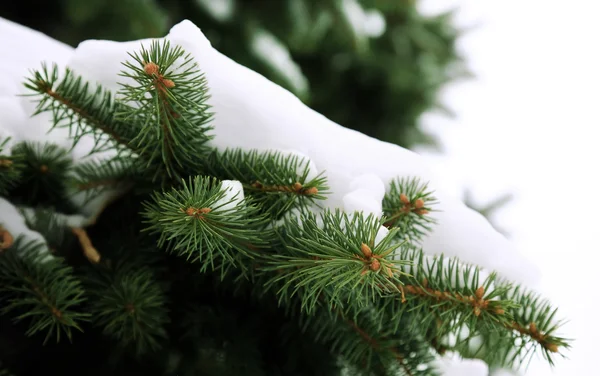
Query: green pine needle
[[276, 182], [44, 174], [199, 223], [168, 94], [406, 207], [41, 290], [83, 109], [130, 307], [334, 256]]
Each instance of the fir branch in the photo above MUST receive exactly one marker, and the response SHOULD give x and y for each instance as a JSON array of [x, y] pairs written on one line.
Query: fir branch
[[367, 347], [168, 95], [444, 293], [83, 110], [129, 305], [93, 177], [44, 175], [42, 290], [334, 254], [198, 222], [276, 182], [406, 207], [450, 296], [533, 327]]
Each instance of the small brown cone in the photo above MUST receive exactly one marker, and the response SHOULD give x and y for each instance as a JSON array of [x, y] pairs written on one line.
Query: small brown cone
[[311, 191], [419, 203], [404, 199], [479, 293], [151, 69], [366, 250], [297, 186], [375, 265], [168, 83]]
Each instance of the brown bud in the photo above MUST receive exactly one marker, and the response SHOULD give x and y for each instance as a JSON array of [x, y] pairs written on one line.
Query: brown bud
[[479, 293], [552, 347], [419, 203], [297, 186], [205, 210], [366, 250], [168, 83], [389, 272], [190, 211], [43, 169], [311, 191], [499, 311], [151, 69], [404, 199], [6, 239], [477, 311], [375, 265], [421, 211], [532, 328], [5, 163]]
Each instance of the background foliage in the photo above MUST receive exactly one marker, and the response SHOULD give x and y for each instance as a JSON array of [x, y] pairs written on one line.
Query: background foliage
[[370, 65]]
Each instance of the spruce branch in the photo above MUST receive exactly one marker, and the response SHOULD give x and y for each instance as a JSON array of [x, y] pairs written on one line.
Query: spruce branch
[[335, 254], [444, 294], [406, 206], [43, 291], [168, 97], [44, 175], [366, 346], [93, 177], [533, 326], [129, 305], [198, 222], [276, 182], [75, 105]]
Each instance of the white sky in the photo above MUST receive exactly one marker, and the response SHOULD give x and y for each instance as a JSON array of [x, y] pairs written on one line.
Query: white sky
[[529, 124]]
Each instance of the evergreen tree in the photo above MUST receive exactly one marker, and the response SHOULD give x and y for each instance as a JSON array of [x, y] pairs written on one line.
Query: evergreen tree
[[215, 262], [376, 79]]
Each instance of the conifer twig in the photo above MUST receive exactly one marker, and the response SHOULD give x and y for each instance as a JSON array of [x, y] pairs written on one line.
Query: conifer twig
[[477, 301], [89, 251], [375, 344], [297, 188], [82, 113], [534, 334]]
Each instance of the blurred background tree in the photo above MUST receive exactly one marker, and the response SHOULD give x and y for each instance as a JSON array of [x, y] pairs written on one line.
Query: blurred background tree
[[371, 65]]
